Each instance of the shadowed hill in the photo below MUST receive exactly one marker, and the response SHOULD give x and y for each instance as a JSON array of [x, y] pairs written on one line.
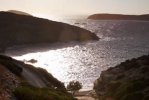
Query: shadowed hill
[[21, 29], [126, 81], [37, 77], [27, 82], [119, 17]]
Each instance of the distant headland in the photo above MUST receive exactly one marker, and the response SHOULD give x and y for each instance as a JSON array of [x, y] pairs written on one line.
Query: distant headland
[[19, 12], [22, 29], [144, 17]]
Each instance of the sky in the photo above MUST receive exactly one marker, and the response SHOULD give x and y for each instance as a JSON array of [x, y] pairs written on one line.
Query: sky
[[76, 7]]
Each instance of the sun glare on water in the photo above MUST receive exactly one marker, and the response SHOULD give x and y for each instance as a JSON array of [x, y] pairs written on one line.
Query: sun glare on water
[[55, 62]]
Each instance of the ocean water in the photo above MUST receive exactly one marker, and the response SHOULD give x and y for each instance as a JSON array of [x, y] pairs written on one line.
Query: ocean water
[[120, 40]]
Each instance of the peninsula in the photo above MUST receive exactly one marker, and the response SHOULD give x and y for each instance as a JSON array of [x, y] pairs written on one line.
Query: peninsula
[[119, 17], [17, 29]]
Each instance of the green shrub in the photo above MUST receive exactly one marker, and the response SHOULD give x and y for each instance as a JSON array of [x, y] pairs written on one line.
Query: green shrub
[[129, 88], [112, 87], [33, 93], [74, 86]]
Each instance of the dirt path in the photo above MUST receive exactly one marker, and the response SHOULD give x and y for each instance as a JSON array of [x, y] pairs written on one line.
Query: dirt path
[[84, 95], [85, 98], [32, 78]]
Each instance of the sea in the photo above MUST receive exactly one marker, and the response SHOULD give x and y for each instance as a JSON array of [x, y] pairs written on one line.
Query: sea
[[120, 40]]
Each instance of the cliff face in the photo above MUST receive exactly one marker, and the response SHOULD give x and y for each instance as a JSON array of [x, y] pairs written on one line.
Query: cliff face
[[25, 82], [127, 81], [118, 17], [18, 29]]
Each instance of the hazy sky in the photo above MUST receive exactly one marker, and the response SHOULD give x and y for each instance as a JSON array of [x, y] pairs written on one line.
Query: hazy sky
[[75, 7]]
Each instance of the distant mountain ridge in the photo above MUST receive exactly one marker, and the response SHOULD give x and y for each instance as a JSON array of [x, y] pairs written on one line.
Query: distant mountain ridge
[[144, 17], [16, 29]]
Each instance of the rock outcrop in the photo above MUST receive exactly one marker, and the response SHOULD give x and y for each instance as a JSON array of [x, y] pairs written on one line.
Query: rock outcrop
[[18, 29], [20, 80], [127, 81], [119, 17]]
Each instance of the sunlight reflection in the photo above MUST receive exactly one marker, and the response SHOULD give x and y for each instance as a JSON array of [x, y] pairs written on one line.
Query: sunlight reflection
[[70, 63], [51, 60]]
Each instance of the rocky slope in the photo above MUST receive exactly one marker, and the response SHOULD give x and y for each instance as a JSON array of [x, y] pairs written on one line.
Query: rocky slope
[[16, 29], [20, 81], [127, 81], [118, 17]]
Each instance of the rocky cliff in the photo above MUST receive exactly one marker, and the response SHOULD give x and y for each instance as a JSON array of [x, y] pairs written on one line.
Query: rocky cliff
[[20, 81], [16, 29], [119, 17], [127, 81]]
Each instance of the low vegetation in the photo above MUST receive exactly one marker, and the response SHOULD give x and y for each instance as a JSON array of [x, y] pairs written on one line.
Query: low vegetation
[[74, 86], [27, 92], [127, 81]]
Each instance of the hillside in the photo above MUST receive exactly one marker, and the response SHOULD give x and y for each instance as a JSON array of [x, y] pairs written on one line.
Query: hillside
[[21, 81], [16, 29], [119, 17], [126, 81]]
